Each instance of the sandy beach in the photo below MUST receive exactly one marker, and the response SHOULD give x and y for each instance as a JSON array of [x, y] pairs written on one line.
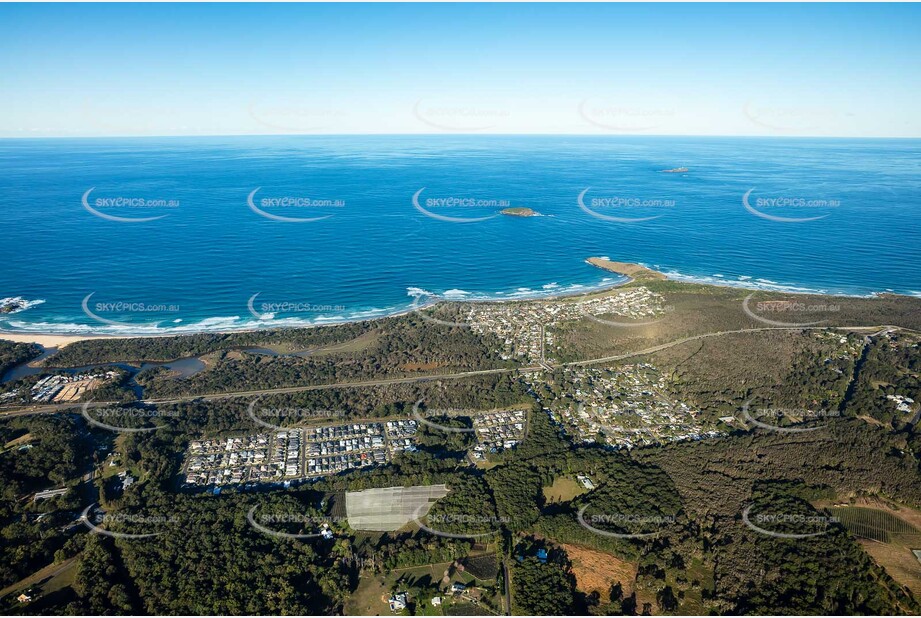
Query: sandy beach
[[51, 341]]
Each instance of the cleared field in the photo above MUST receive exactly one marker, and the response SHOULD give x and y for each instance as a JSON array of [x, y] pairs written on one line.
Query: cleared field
[[390, 508], [50, 578], [563, 489], [23, 439], [888, 536], [697, 309], [358, 344], [467, 609], [484, 567], [899, 562], [370, 598], [597, 571], [877, 525]]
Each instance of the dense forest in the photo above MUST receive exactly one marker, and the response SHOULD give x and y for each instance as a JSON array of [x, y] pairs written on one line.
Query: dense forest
[[892, 369], [47, 453], [12, 354]]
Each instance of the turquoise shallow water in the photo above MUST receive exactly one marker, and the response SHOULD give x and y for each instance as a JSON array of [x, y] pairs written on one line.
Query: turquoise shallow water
[[841, 216]]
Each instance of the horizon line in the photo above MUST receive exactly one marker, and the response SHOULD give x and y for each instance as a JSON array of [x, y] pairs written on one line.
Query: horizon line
[[456, 134]]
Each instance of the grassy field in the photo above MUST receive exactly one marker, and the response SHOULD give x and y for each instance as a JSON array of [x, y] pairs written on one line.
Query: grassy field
[[467, 609], [695, 309], [23, 439], [49, 579], [899, 562], [358, 344], [564, 489], [370, 598]]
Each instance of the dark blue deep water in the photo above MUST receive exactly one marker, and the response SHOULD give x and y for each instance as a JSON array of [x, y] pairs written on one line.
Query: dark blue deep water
[[842, 216]]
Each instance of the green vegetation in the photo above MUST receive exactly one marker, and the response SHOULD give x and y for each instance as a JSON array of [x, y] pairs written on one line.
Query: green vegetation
[[814, 575], [467, 510], [227, 567], [32, 532], [446, 433], [543, 588], [400, 347], [695, 309], [12, 354], [669, 518], [892, 368]]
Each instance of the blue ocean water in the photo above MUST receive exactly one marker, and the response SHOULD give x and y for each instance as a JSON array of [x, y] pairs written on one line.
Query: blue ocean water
[[841, 217]]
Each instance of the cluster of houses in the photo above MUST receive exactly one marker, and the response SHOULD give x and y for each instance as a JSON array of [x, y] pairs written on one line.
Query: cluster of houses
[[521, 326], [625, 408], [399, 600], [401, 435], [296, 453], [66, 388], [232, 460], [902, 403], [336, 448], [496, 431], [321, 466], [286, 453]]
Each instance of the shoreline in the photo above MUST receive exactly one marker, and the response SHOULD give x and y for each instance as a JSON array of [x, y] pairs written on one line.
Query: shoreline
[[632, 272], [55, 340]]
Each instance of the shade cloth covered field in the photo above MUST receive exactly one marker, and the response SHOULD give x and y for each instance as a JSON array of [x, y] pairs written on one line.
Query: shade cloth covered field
[[390, 508]]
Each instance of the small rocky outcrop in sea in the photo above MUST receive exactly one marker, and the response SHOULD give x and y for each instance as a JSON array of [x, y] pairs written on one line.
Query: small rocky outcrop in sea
[[520, 212], [15, 304]]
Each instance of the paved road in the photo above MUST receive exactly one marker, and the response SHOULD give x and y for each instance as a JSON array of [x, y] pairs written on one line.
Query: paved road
[[52, 408], [917, 417], [41, 575], [508, 587], [671, 344]]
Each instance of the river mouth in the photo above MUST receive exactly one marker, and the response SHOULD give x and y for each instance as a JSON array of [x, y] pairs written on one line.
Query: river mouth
[[182, 368]]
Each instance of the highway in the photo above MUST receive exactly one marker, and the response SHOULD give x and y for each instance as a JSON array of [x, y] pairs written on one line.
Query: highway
[[543, 366]]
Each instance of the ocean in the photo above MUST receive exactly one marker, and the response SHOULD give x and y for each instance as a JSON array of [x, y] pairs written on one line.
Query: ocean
[[159, 235]]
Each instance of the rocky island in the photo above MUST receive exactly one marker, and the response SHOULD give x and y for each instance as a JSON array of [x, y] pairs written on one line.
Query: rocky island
[[520, 212], [635, 272]]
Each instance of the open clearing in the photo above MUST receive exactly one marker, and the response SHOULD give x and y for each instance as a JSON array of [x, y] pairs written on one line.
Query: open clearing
[[898, 561], [564, 489], [50, 578], [23, 439], [370, 598], [888, 533], [597, 571]]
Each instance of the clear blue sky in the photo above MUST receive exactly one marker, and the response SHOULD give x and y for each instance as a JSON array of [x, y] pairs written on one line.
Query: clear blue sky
[[156, 69]]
